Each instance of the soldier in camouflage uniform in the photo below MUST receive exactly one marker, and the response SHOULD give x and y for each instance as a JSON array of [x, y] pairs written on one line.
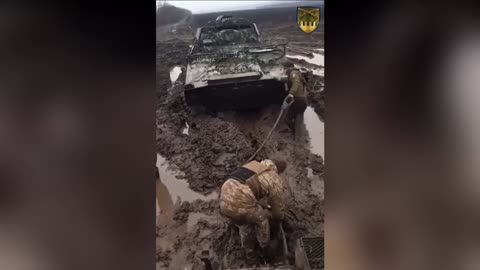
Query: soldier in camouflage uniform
[[296, 83], [252, 198]]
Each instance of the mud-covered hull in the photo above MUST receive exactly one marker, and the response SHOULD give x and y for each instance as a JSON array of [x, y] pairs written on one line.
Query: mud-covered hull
[[238, 96], [230, 69]]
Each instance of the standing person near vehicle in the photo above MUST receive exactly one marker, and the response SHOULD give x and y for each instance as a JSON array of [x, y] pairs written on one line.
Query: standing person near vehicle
[[296, 84], [252, 198]]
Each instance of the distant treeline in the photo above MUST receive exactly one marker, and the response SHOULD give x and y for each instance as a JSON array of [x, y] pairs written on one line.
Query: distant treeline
[[169, 14], [259, 16]]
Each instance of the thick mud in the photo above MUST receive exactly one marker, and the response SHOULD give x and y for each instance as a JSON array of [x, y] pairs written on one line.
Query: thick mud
[[197, 151]]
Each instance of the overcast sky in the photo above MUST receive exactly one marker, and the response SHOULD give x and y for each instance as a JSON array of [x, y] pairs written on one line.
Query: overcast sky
[[212, 6]]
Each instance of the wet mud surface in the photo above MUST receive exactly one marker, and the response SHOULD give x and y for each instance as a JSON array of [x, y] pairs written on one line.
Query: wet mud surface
[[198, 150]]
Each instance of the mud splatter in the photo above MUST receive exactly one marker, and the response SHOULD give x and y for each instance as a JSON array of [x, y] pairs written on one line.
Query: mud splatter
[[215, 145]]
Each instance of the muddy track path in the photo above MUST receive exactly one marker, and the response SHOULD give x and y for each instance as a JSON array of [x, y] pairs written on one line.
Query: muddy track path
[[213, 147]]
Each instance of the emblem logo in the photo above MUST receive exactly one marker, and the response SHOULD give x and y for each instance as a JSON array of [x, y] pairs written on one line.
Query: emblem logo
[[308, 18]]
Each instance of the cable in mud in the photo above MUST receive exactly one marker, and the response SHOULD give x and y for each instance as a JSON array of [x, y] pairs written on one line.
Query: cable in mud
[[287, 102]]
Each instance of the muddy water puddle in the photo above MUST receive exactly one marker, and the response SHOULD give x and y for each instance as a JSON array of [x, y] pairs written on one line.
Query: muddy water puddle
[[165, 205], [316, 130], [175, 73], [316, 71], [170, 189], [317, 59]]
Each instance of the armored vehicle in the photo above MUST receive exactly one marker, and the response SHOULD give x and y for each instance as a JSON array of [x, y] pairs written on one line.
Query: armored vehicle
[[229, 68]]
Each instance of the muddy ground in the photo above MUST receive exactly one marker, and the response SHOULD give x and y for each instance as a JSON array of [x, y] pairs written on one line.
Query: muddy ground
[[201, 149]]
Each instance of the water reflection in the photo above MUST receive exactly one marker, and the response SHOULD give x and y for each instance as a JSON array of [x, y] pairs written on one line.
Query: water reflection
[[316, 131], [177, 189]]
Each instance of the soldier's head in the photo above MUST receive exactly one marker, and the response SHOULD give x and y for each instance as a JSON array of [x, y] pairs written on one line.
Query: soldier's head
[[288, 65]]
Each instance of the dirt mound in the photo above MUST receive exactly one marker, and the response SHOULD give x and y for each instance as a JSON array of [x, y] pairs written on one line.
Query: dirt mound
[[169, 54], [169, 14]]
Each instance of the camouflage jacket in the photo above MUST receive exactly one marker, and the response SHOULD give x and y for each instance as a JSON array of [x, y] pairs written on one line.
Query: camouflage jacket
[[296, 82], [239, 199]]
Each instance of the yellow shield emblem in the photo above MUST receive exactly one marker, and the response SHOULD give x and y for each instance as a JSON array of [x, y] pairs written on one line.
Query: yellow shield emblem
[[308, 18]]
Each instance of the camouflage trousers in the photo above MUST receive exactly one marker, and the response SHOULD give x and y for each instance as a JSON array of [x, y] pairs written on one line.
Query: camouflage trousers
[[240, 205], [295, 112], [247, 239], [250, 232]]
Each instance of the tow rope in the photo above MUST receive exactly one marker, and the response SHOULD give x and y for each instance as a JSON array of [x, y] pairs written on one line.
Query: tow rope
[[287, 102]]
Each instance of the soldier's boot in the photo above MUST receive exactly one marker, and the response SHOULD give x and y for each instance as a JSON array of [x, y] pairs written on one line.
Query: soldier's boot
[[247, 238]]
